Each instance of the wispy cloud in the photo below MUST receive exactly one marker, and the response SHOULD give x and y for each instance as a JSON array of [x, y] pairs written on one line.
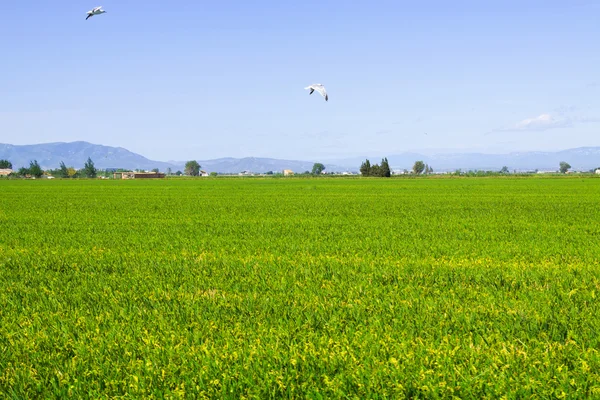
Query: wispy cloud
[[561, 117], [566, 109], [575, 114], [585, 120], [540, 123]]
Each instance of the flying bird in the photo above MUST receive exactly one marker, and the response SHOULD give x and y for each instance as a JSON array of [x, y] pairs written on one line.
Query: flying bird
[[95, 11], [319, 88]]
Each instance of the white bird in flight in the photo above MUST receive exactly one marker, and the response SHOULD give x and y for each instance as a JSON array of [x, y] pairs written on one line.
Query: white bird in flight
[[319, 88], [95, 11]]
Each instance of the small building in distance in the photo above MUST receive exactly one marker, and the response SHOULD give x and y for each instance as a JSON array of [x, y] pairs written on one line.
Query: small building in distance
[[138, 175], [288, 172], [5, 171]]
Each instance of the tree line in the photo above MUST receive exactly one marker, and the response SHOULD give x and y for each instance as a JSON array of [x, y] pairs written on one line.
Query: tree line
[[192, 168], [383, 170], [420, 168], [89, 170], [36, 171]]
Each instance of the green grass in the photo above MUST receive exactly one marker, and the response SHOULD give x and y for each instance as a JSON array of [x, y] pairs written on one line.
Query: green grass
[[300, 288]]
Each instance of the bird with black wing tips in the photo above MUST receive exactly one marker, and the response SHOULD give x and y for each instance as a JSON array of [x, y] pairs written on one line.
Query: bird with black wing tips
[[94, 11], [319, 88]]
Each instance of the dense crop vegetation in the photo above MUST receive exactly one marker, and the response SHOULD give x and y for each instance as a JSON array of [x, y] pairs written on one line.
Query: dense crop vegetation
[[320, 288]]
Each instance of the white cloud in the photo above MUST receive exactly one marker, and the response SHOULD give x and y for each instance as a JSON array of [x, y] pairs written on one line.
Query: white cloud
[[543, 122], [540, 123]]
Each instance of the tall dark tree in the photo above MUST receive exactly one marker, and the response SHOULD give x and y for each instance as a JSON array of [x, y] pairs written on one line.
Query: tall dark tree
[[504, 170], [5, 164], [192, 168], [365, 168], [375, 170], [64, 171], [419, 167], [35, 169], [155, 170], [318, 168], [385, 168], [89, 170], [564, 167]]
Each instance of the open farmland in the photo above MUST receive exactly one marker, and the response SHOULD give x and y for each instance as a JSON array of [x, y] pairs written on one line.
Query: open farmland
[[320, 288]]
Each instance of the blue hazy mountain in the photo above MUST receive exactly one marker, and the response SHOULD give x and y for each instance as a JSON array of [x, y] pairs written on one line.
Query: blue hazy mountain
[[583, 159], [75, 154]]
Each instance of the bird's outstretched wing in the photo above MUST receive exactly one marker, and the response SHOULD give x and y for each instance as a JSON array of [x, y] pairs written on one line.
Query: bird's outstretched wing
[[322, 91], [319, 88]]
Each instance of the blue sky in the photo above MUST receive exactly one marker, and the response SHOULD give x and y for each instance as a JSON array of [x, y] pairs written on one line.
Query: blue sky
[[187, 79]]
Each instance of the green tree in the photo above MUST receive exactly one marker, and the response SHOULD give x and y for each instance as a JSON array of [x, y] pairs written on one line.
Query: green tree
[[5, 164], [419, 167], [156, 170], [385, 168], [213, 174], [178, 173], [317, 168], [169, 171], [504, 170], [365, 168], [35, 169], [64, 171], [89, 170], [375, 170], [564, 167], [192, 168], [23, 171]]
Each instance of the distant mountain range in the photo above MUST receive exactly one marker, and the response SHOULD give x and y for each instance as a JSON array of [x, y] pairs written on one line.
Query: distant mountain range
[[75, 154], [259, 165], [582, 159]]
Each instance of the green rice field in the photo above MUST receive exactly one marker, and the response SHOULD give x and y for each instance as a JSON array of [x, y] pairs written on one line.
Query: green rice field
[[313, 288]]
